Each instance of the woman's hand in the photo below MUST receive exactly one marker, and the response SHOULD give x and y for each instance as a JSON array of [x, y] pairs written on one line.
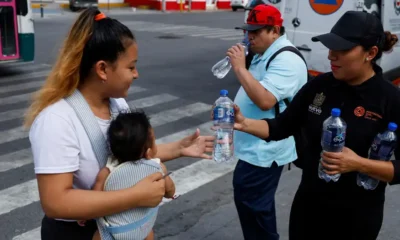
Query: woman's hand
[[151, 190], [197, 146], [239, 119], [341, 162]]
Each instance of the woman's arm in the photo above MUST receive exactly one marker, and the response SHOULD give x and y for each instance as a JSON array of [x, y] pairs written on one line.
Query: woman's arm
[[278, 128], [381, 170], [60, 200]]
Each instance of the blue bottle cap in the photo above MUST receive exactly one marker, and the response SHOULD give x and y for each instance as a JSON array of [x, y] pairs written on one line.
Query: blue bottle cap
[[392, 126], [223, 92], [335, 112]]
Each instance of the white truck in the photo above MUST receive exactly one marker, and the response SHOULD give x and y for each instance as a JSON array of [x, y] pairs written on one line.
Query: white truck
[[304, 19]]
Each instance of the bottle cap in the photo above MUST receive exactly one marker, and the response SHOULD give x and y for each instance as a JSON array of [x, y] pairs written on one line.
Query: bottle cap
[[223, 92], [392, 126], [335, 112]]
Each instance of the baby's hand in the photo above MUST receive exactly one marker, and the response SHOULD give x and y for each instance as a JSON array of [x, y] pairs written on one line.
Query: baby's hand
[[169, 184]]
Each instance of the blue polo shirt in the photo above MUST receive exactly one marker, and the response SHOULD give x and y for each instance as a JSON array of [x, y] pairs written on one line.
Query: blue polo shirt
[[286, 74]]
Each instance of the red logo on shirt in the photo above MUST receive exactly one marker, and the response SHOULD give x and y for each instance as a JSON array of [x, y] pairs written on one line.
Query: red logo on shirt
[[359, 111]]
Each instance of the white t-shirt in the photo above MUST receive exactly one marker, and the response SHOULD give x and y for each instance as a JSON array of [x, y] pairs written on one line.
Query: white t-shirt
[[60, 144]]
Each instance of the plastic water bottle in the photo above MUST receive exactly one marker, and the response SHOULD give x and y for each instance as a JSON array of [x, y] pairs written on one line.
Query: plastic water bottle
[[223, 126], [332, 140], [221, 68], [382, 148]]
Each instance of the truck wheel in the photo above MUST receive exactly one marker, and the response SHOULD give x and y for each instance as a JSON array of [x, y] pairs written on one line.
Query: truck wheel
[[234, 9]]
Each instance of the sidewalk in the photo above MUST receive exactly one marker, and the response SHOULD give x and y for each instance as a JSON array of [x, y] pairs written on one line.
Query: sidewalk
[[223, 223]]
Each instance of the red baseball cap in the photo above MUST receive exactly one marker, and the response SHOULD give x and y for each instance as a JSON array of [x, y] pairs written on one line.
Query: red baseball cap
[[262, 15]]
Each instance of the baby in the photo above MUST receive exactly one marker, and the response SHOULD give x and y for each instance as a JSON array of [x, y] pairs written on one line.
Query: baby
[[132, 143]]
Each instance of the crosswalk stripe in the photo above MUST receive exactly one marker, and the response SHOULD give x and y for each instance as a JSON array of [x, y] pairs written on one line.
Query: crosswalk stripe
[[24, 157], [19, 132], [18, 196], [12, 114], [232, 38], [19, 77], [21, 86], [30, 235], [16, 159], [27, 96], [175, 114], [17, 113]]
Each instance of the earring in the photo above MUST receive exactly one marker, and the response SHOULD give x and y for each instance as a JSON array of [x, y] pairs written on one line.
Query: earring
[[103, 81]]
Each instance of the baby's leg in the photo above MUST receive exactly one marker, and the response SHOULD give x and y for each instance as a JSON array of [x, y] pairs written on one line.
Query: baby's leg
[[96, 236], [150, 236]]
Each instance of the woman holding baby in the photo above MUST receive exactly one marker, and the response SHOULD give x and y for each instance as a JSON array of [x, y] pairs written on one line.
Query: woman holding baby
[[98, 59]]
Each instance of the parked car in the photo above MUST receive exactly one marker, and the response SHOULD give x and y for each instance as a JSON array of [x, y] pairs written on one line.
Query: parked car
[[238, 4]]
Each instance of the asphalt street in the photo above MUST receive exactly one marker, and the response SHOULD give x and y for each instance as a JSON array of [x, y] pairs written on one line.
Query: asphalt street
[[177, 88]]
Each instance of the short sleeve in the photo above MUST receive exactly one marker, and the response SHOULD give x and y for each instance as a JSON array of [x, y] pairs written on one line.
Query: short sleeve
[[54, 144], [286, 74]]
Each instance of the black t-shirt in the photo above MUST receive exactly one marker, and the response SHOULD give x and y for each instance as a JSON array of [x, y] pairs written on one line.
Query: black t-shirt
[[367, 109]]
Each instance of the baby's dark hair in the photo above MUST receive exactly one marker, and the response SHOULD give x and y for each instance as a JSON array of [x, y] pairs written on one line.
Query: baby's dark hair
[[130, 136]]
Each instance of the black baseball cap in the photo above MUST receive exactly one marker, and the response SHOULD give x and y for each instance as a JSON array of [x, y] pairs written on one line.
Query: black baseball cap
[[352, 29]]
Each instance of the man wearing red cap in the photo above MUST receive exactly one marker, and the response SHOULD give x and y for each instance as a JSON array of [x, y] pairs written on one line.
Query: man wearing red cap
[[263, 88]]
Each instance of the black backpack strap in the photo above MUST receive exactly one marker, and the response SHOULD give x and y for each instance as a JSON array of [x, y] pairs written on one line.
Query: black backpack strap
[[287, 48], [286, 101]]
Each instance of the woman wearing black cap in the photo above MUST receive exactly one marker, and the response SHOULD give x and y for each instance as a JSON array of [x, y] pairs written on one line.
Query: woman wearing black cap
[[342, 209]]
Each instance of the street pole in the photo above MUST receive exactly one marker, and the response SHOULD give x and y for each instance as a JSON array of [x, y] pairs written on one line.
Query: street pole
[[181, 5], [190, 6], [108, 5], [163, 6], [41, 9]]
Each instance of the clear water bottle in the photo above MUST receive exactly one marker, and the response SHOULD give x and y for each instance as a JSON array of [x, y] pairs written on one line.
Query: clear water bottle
[[221, 68], [223, 121], [382, 148], [332, 140]]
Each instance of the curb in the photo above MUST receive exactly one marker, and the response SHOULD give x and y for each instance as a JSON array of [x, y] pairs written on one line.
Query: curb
[[100, 5]]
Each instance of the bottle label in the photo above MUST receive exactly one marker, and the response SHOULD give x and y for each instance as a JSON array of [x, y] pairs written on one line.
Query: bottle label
[[334, 137], [224, 114], [382, 150]]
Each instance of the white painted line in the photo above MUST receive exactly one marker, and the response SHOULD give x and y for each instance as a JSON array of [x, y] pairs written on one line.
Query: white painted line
[[12, 114], [232, 34], [212, 32], [20, 132], [151, 101], [21, 86], [18, 196], [31, 235], [232, 38], [195, 175], [15, 159], [176, 114], [19, 77]]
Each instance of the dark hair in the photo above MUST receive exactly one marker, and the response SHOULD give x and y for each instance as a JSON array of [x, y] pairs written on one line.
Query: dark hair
[[88, 41], [108, 39], [130, 136], [384, 44]]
